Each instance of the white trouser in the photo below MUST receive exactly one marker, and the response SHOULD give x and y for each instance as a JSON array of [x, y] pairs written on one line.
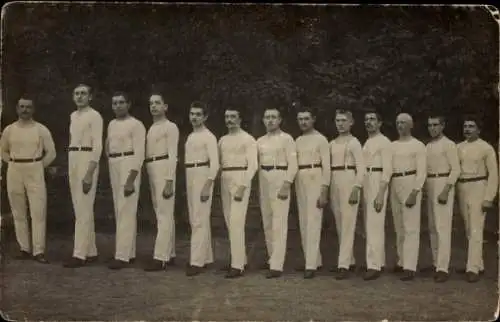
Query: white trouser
[[164, 210], [199, 217], [374, 221], [28, 179], [83, 204], [406, 221], [308, 189], [235, 213], [345, 214], [440, 222], [125, 207], [274, 216], [470, 197]]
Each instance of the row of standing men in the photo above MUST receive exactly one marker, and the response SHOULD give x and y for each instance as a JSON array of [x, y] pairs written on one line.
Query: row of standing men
[[342, 173]]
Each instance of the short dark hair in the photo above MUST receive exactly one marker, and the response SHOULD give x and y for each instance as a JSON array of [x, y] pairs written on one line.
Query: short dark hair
[[440, 117], [307, 109], [158, 93], [271, 108], [88, 87], [474, 118], [201, 105], [377, 114], [344, 112], [27, 96], [123, 94], [235, 108]]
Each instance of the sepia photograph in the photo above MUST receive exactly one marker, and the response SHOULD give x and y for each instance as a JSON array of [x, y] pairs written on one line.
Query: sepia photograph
[[249, 162]]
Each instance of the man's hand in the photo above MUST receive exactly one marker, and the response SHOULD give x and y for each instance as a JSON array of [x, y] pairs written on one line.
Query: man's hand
[[168, 190], [354, 197], [205, 192], [323, 198], [412, 199], [129, 189], [378, 203], [86, 184], [284, 191], [443, 196], [238, 196], [486, 205]]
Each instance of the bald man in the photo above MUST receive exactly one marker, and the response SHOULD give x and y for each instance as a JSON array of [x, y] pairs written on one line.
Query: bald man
[[409, 170]]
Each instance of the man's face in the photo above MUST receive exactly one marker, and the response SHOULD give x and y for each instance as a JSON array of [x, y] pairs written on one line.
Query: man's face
[[471, 130], [25, 109], [404, 125], [81, 96], [372, 123], [232, 119], [120, 106], [305, 120], [196, 116], [343, 123], [272, 119], [156, 105], [435, 127]]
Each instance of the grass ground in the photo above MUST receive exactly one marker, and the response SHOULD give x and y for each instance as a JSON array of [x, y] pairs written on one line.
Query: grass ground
[[32, 291]]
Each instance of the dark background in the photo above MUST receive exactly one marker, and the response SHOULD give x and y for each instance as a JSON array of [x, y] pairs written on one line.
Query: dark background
[[412, 59]]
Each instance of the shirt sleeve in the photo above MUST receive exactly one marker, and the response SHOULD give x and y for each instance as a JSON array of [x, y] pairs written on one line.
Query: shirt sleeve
[[4, 141], [139, 145], [325, 161], [252, 163], [492, 167], [421, 166], [291, 159], [386, 154], [173, 148], [357, 154], [452, 156], [213, 156], [48, 146], [96, 126]]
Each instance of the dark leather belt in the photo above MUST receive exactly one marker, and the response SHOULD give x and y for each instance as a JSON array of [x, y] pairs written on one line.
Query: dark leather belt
[[374, 169], [437, 175], [197, 164], [234, 168], [274, 167], [80, 148], [24, 160], [160, 157], [123, 154], [404, 173], [309, 166], [343, 167], [463, 180]]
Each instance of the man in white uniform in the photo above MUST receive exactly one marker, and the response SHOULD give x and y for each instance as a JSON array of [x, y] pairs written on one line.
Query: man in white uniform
[[84, 153], [238, 157], [28, 148], [125, 146], [161, 161], [278, 167], [409, 171], [477, 187], [443, 169], [347, 176], [311, 185], [202, 165], [378, 161]]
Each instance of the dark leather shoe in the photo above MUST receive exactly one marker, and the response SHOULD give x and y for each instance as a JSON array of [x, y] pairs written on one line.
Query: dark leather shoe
[[23, 255], [273, 274], [398, 269], [92, 259], [117, 264], [193, 270], [155, 265], [371, 274], [441, 277], [407, 275], [234, 273], [463, 271], [41, 259], [352, 268], [342, 274], [74, 263], [309, 273], [472, 277]]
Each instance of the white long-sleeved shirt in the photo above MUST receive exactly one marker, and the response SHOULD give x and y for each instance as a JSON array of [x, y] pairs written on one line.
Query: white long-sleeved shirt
[[163, 139], [28, 141], [442, 157], [86, 130], [239, 150], [410, 155], [127, 135], [377, 154], [201, 146], [348, 152], [313, 149], [278, 149], [478, 159]]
